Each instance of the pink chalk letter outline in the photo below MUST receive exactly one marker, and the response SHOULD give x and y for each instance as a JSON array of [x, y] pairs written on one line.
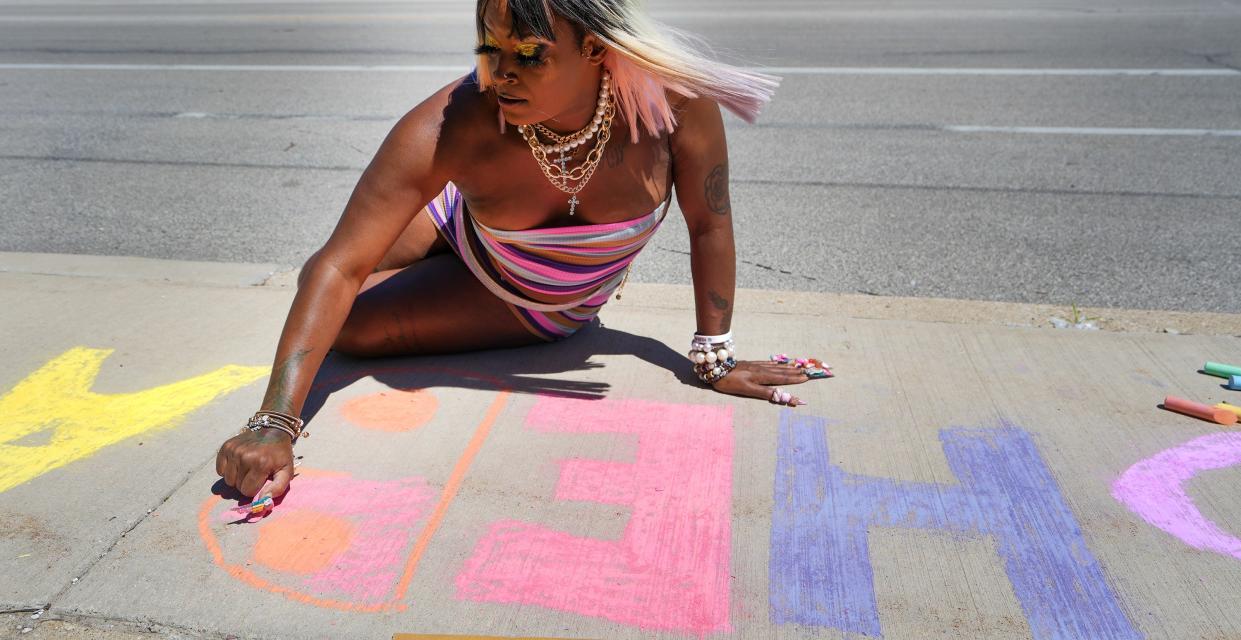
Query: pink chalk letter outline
[[1154, 489], [670, 569]]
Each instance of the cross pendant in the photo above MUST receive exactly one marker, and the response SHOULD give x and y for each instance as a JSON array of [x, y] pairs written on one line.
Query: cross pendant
[[573, 204], [563, 162]]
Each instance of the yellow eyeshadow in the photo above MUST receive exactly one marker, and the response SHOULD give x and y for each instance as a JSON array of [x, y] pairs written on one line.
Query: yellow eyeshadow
[[527, 50], [491, 42]]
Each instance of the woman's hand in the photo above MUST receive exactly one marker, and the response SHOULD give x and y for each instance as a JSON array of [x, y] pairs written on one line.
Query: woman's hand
[[752, 377], [249, 458]]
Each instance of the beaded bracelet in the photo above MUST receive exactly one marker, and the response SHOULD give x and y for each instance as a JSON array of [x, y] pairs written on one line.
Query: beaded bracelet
[[711, 373], [713, 356]]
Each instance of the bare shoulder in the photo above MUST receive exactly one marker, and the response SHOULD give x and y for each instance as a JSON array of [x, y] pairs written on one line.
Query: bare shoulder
[[436, 132], [699, 123]]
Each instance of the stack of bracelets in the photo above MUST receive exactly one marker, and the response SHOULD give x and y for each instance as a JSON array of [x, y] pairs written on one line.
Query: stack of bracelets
[[713, 356], [276, 420]]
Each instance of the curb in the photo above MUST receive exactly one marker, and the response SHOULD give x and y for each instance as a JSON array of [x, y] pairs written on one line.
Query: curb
[[663, 296]]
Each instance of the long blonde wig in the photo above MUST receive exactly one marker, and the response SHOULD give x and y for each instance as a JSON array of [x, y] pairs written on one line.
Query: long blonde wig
[[646, 59]]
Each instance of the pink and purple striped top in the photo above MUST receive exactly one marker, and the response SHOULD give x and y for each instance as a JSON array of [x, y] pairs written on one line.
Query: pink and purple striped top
[[554, 279]]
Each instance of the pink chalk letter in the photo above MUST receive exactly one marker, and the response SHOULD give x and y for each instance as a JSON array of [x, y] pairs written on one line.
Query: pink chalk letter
[[670, 569], [1154, 489]]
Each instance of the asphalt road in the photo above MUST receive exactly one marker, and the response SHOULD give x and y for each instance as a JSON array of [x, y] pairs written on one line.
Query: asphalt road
[[933, 148]]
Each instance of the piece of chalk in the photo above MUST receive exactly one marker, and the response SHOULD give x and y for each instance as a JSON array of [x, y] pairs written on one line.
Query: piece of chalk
[[1221, 370], [1228, 407], [1234, 383], [1199, 410]]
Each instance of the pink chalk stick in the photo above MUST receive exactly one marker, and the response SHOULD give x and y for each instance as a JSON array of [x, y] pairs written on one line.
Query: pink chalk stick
[[1199, 410]]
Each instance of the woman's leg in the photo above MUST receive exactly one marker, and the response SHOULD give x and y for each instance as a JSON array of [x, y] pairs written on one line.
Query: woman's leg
[[435, 305], [423, 299], [419, 240]]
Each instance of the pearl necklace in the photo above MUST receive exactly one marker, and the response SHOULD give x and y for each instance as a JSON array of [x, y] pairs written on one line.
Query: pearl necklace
[[565, 143], [561, 176]]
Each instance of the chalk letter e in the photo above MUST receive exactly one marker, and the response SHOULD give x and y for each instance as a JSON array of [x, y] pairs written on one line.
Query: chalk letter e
[[670, 568]]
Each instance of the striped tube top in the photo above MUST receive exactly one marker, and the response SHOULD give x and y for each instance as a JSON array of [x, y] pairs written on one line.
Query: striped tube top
[[549, 269]]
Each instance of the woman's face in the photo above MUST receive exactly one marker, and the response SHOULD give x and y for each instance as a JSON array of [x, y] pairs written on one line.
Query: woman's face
[[536, 80]]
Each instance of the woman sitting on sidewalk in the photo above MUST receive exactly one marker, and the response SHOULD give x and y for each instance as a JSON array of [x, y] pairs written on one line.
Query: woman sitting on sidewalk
[[505, 210]]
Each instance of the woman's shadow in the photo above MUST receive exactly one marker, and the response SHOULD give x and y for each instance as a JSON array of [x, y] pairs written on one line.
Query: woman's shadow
[[501, 369], [493, 370]]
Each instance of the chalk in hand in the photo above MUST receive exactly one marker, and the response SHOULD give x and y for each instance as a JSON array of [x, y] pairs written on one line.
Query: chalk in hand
[[256, 507], [1199, 410]]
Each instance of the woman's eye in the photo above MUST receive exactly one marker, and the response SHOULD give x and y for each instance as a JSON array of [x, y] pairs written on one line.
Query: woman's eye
[[485, 50], [529, 61]]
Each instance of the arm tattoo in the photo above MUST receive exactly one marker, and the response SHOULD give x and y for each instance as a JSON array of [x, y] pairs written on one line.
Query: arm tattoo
[[277, 398], [717, 190], [722, 304]]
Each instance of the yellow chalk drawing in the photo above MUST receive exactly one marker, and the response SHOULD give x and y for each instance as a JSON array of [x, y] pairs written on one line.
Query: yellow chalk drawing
[[58, 398]]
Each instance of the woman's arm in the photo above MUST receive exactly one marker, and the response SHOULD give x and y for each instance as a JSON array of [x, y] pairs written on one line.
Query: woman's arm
[[700, 174], [404, 175]]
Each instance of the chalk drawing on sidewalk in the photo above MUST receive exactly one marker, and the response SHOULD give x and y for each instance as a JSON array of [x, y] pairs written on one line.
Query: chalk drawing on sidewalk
[[365, 555], [52, 418], [1154, 489], [394, 410], [334, 541], [670, 569], [820, 571]]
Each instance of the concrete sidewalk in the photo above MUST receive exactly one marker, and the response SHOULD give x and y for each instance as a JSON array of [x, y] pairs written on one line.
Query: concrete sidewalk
[[969, 473]]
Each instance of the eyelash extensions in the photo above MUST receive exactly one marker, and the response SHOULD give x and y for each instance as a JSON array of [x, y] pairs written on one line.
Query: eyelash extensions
[[646, 58], [528, 55]]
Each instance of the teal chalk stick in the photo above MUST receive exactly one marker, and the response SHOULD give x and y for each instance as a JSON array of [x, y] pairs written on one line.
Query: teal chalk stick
[[1234, 383], [1221, 370]]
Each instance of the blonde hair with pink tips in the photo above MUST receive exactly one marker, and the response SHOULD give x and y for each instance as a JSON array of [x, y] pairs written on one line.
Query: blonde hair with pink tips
[[646, 59]]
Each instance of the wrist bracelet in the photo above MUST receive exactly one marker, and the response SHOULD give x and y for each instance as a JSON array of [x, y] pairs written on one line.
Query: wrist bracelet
[[722, 338], [712, 373], [713, 356], [291, 425]]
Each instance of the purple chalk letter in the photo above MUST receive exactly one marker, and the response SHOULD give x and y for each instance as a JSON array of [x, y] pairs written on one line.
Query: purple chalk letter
[[820, 562]]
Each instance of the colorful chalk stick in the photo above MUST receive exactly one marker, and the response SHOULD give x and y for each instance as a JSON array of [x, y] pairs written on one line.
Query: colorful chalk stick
[[256, 507], [1234, 383], [1228, 407], [1221, 370], [1199, 410]]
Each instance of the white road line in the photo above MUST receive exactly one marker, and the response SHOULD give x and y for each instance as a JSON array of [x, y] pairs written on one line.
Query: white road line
[[411, 68], [966, 71], [947, 128], [1094, 131], [788, 71]]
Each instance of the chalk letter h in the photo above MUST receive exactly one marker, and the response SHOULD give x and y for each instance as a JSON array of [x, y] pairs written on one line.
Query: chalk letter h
[[820, 562]]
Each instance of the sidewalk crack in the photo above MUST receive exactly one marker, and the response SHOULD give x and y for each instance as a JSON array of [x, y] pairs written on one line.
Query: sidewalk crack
[[142, 518], [750, 264]]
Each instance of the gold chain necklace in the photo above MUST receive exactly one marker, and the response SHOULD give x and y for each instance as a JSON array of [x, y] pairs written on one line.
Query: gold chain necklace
[[557, 172]]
